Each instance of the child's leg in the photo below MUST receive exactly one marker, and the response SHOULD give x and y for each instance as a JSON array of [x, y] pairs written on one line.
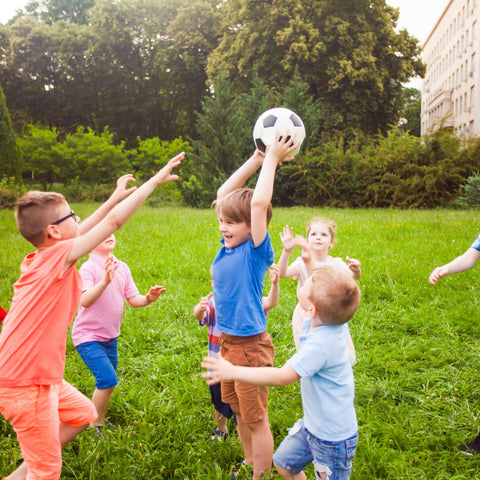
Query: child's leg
[[221, 422], [257, 441], [102, 360], [101, 399]]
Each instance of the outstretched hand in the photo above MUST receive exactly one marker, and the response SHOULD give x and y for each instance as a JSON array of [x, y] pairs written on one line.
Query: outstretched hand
[[121, 191], [110, 268], [273, 273], [437, 274], [353, 264], [282, 147], [165, 175], [286, 236], [154, 293], [218, 369]]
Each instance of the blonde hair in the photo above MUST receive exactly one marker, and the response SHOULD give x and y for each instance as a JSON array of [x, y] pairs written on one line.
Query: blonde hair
[[34, 212], [237, 206], [332, 226], [335, 294]]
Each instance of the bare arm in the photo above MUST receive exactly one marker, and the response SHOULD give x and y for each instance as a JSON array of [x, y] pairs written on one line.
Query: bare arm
[[355, 267], [460, 264], [240, 176], [288, 242], [121, 213], [90, 296], [118, 195], [271, 300], [144, 300], [200, 309], [220, 369], [279, 152]]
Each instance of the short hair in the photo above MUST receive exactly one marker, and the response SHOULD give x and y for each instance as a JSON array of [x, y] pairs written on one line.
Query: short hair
[[335, 294], [332, 226], [237, 206], [34, 212]]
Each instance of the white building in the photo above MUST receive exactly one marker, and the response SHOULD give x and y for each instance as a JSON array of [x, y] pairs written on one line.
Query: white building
[[452, 82]]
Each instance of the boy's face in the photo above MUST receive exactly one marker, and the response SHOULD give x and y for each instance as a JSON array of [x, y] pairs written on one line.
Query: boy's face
[[106, 247], [67, 222], [304, 294], [319, 237], [234, 233]]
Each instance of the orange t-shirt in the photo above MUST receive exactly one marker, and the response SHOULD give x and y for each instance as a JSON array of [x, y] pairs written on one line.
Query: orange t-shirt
[[34, 333]]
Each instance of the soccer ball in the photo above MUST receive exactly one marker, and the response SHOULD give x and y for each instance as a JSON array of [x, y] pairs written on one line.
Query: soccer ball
[[277, 120]]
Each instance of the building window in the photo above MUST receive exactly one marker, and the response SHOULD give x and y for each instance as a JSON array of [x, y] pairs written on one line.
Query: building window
[[474, 30], [472, 96], [472, 128]]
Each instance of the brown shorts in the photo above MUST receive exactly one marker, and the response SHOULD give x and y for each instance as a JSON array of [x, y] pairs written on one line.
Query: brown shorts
[[249, 401]]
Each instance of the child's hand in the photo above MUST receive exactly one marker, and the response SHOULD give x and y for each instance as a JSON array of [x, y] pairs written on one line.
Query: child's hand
[[353, 264], [203, 305], [282, 147], [437, 274], [154, 293], [273, 273], [286, 236], [258, 156], [218, 369], [110, 268], [165, 175], [121, 192]]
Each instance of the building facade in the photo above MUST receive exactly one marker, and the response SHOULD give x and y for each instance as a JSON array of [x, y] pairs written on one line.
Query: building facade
[[452, 81]]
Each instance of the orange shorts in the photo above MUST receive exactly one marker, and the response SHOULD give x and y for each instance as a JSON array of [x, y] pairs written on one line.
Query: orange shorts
[[249, 401], [35, 414]]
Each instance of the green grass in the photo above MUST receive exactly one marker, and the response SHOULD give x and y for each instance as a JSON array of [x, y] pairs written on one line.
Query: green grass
[[418, 346]]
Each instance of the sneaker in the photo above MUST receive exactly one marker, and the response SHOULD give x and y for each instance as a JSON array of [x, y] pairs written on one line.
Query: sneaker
[[473, 447], [218, 435]]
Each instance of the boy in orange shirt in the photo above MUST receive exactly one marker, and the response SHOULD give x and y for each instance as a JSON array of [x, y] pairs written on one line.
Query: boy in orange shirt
[[44, 410]]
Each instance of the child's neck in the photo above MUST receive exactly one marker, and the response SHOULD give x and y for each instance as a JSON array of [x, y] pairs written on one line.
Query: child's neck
[[320, 257]]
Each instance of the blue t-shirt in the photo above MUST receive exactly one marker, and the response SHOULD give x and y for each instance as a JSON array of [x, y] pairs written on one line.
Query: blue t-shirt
[[323, 363], [238, 278], [476, 244]]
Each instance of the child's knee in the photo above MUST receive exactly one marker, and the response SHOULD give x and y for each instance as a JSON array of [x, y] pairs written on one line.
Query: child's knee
[[322, 472]]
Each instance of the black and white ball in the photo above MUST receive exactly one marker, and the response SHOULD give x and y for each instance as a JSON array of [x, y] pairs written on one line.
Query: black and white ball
[[278, 120]]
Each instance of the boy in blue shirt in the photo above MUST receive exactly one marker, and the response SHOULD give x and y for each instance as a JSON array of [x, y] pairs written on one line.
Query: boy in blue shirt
[[327, 435], [239, 271]]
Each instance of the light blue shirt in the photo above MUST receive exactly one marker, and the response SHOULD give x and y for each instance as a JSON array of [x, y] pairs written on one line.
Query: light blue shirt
[[327, 385], [238, 278], [476, 244]]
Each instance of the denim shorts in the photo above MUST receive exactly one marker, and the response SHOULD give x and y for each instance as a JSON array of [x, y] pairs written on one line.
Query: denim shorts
[[300, 448], [102, 360]]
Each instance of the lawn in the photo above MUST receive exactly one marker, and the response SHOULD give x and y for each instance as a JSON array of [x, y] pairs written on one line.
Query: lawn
[[418, 346]]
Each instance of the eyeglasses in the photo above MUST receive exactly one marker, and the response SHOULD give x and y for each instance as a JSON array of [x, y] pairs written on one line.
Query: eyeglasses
[[66, 217]]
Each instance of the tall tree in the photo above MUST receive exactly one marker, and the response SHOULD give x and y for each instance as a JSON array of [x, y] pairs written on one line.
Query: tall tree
[[348, 51], [10, 155]]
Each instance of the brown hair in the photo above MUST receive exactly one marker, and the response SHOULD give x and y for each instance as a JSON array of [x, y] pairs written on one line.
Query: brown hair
[[335, 294], [332, 226], [34, 212], [237, 206]]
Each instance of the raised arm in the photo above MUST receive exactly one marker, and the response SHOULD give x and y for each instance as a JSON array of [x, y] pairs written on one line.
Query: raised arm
[[288, 242], [121, 212], [240, 176], [279, 152], [90, 296], [460, 264], [220, 369], [271, 300]]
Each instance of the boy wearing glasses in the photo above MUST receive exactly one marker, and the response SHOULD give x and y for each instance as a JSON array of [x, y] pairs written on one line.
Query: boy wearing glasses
[[46, 412], [107, 283]]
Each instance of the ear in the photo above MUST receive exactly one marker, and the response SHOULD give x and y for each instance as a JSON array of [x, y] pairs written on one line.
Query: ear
[[312, 311], [53, 232]]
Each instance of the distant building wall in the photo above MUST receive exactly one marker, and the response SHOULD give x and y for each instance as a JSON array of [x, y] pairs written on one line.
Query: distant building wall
[[451, 86]]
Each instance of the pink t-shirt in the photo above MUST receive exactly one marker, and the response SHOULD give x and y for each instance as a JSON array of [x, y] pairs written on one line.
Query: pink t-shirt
[[34, 333], [101, 321]]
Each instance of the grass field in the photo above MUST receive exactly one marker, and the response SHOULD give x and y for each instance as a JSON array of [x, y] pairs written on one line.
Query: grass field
[[418, 346]]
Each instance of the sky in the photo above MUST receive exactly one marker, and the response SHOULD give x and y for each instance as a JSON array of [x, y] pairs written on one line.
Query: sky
[[417, 16]]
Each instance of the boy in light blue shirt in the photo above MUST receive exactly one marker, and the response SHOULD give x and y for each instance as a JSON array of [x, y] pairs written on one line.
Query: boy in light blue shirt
[[327, 435]]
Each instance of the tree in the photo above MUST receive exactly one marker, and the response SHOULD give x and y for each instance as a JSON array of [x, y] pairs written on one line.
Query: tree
[[10, 155], [347, 51], [411, 113]]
